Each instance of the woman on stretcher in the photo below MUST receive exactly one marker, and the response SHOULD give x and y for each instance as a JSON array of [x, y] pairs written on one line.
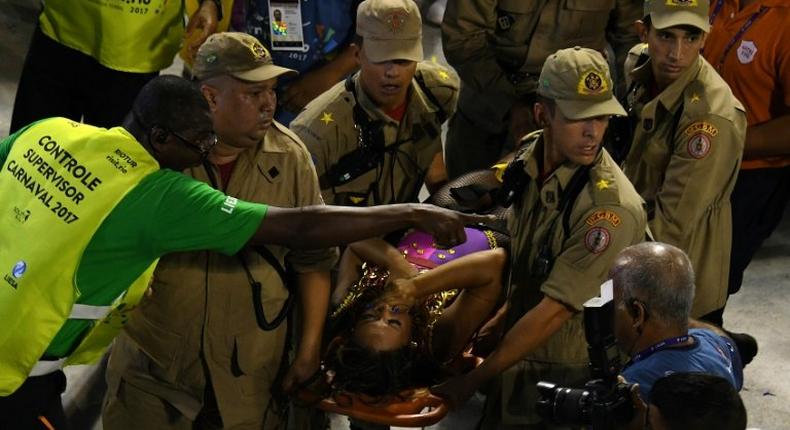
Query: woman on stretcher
[[404, 313]]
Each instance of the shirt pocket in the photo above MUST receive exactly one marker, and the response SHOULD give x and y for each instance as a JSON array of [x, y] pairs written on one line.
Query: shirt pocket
[[514, 22]]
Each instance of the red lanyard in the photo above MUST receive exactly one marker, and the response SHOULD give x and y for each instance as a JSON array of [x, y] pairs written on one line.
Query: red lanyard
[[740, 32]]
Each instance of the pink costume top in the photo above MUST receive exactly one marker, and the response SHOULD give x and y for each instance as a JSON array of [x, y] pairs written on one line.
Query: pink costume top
[[420, 250]]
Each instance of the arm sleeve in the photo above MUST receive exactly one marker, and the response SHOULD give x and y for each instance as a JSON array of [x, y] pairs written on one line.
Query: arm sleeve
[[191, 216], [307, 194], [319, 147], [588, 253], [696, 179], [465, 40]]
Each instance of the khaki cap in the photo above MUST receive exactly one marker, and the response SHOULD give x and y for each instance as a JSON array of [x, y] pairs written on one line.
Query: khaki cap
[[578, 80], [670, 13], [391, 29], [237, 54]]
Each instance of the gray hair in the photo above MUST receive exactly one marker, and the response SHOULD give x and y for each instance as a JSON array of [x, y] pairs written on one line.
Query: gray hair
[[659, 275]]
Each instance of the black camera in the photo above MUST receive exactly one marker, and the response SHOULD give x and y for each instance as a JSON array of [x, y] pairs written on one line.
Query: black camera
[[603, 402]]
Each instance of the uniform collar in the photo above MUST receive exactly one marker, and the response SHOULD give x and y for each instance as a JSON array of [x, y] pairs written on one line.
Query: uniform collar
[[270, 141], [671, 96], [415, 99], [558, 179]]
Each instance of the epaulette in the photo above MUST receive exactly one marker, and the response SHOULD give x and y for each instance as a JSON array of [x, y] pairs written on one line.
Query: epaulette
[[330, 108], [637, 56], [290, 134], [603, 182], [696, 103], [442, 81]]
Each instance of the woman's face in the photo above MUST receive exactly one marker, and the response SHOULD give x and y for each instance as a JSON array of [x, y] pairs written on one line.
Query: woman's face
[[384, 326]]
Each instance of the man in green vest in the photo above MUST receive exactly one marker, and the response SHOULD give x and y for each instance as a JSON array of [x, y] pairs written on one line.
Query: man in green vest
[[87, 212]]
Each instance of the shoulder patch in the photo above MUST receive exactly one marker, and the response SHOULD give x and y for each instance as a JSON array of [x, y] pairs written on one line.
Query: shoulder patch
[[607, 216], [698, 145], [597, 239], [701, 127]]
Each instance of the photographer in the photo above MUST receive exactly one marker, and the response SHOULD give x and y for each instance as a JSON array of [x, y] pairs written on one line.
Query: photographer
[[653, 293]]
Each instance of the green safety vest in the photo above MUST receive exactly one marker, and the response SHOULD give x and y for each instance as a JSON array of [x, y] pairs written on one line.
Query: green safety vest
[[60, 181], [139, 36]]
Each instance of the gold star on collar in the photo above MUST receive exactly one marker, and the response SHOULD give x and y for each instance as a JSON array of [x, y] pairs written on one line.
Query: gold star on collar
[[602, 184], [326, 118], [695, 98], [444, 75]]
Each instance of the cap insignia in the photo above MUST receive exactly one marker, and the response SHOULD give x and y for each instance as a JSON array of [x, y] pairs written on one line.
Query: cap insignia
[[395, 20], [592, 83], [257, 49], [682, 3]]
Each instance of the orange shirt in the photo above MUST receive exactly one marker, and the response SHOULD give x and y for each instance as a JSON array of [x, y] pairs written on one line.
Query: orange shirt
[[757, 66]]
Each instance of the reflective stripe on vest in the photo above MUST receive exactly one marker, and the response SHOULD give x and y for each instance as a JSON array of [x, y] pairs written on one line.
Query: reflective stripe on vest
[[45, 367], [64, 178], [89, 312]]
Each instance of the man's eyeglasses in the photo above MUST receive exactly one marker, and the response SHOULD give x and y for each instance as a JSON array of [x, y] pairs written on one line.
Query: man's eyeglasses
[[202, 146]]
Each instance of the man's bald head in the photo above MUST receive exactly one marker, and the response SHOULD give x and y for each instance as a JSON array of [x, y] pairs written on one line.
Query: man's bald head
[[660, 276]]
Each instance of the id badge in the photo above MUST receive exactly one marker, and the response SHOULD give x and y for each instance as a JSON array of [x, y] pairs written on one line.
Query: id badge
[[285, 25]]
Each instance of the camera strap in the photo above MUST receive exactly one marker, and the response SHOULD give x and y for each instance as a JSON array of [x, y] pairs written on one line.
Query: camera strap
[[256, 286], [371, 147], [660, 346]]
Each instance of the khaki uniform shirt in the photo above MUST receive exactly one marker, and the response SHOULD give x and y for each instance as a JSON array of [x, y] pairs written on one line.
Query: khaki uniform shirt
[[684, 161], [200, 308], [607, 216], [498, 47], [327, 128]]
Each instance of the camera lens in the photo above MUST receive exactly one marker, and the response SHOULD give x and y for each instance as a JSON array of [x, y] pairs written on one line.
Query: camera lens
[[563, 405]]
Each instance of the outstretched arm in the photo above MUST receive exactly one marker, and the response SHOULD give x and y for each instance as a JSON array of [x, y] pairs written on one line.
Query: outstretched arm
[[479, 277], [324, 226], [375, 251], [531, 331]]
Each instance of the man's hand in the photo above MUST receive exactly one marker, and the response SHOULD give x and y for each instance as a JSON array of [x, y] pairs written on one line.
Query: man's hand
[[301, 370], [446, 226], [202, 24], [639, 420], [456, 391]]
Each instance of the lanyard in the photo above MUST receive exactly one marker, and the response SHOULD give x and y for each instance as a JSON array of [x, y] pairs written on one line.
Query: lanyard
[[664, 344], [740, 32]]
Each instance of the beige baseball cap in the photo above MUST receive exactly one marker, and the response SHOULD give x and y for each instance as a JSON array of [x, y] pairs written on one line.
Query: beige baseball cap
[[578, 80], [236, 54], [391, 29], [669, 13]]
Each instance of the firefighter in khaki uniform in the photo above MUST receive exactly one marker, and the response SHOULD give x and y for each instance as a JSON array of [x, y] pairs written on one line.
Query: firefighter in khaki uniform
[[194, 353], [687, 144], [498, 48], [576, 212], [376, 137]]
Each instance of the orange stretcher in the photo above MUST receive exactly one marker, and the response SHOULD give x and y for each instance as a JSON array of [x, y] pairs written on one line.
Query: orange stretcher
[[416, 407]]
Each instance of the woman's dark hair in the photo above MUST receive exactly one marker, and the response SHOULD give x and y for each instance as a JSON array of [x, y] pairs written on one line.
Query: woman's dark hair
[[380, 373]]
